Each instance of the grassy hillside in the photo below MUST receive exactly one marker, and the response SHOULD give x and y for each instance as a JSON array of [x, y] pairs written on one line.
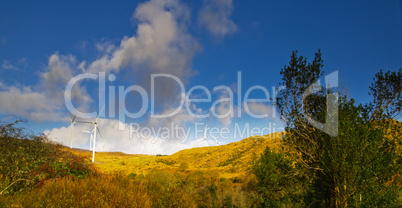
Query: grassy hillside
[[231, 160]]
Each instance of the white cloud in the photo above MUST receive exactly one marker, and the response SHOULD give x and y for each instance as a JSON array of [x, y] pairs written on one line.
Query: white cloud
[[258, 109], [215, 17], [105, 47], [60, 71], [27, 103], [181, 115], [8, 66], [45, 101], [19, 65], [161, 44]]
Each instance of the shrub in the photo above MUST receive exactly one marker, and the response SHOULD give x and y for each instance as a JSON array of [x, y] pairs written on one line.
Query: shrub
[[27, 161], [164, 190]]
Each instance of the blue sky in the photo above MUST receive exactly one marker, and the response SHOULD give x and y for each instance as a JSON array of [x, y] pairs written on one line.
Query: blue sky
[[44, 44]]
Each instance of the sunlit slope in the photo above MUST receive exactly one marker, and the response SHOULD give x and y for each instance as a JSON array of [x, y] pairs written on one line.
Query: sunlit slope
[[229, 160], [104, 157]]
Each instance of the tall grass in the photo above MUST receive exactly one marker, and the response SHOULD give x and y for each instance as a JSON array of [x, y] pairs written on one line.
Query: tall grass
[[157, 189], [95, 191]]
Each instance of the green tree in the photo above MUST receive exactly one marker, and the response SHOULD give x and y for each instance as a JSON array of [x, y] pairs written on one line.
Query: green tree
[[357, 167], [276, 179]]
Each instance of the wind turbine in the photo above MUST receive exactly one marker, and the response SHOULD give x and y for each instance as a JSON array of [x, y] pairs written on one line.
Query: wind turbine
[[71, 130], [218, 142], [205, 137], [96, 129], [91, 139], [102, 144]]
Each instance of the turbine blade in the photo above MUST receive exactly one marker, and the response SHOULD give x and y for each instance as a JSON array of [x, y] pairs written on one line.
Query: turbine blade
[[205, 132], [198, 140], [84, 122], [100, 113], [215, 139], [75, 115], [99, 132]]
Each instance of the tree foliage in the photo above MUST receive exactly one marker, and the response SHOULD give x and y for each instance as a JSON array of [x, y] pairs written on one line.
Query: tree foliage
[[386, 90], [277, 183], [358, 166]]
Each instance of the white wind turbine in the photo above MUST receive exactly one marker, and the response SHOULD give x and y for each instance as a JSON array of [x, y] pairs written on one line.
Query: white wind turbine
[[91, 138], [205, 137], [71, 130], [96, 129], [102, 146], [218, 142]]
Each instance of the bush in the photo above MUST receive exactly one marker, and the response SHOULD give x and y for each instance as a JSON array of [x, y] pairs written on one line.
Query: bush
[[27, 161], [164, 190]]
